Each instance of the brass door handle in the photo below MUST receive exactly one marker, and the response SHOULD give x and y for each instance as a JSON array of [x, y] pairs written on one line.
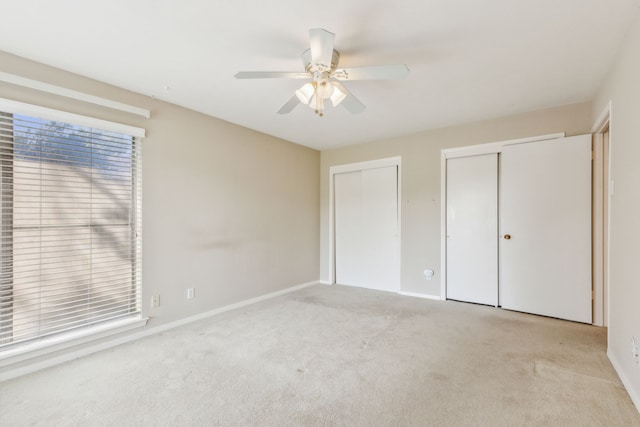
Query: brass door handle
[[507, 236]]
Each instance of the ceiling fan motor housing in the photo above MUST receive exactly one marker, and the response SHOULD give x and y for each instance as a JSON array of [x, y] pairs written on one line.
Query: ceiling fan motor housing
[[312, 68]]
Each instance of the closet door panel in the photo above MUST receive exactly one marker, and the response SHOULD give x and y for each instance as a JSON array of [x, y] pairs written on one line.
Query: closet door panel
[[366, 227], [545, 249], [472, 229]]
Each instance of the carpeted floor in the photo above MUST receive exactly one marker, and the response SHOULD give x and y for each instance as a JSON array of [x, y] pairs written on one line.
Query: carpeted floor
[[338, 356]]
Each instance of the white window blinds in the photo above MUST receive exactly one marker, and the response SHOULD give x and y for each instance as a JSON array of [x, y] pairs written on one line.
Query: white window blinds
[[70, 244]]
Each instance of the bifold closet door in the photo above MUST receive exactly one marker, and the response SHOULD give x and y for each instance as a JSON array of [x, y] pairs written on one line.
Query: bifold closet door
[[472, 229], [366, 228], [545, 245]]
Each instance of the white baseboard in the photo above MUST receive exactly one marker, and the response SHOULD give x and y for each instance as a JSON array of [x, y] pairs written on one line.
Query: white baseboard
[[418, 295], [628, 385], [325, 282], [90, 349], [230, 307]]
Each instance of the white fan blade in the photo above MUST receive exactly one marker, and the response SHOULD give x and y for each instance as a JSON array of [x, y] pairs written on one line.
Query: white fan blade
[[321, 42], [289, 106], [271, 75], [374, 72], [351, 103]]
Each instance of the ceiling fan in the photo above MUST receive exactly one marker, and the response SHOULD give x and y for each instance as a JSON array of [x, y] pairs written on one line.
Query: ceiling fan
[[321, 66]]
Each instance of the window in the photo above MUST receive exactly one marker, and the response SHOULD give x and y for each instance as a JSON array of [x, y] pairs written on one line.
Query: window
[[70, 244]]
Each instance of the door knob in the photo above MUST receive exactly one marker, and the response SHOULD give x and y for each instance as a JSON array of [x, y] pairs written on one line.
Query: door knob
[[507, 236]]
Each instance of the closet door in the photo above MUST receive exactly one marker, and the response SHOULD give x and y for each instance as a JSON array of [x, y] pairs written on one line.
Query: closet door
[[366, 228], [472, 229], [545, 249]]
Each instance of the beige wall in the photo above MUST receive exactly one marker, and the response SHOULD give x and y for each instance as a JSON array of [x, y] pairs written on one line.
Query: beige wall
[[226, 210], [420, 154], [622, 88]]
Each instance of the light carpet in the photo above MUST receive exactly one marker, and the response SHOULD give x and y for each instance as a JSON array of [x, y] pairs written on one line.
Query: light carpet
[[338, 356]]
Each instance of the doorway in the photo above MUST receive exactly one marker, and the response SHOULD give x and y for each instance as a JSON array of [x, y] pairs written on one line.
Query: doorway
[[365, 224]]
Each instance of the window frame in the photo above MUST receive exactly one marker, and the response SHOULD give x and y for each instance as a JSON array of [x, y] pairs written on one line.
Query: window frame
[[50, 343]]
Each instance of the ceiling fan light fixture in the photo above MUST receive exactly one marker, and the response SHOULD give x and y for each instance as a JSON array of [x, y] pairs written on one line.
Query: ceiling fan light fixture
[[325, 89], [314, 93], [321, 66], [312, 102], [337, 96], [305, 93]]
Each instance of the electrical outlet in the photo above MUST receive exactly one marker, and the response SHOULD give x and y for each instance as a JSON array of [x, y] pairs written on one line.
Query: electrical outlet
[[155, 301], [191, 293], [428, 274]]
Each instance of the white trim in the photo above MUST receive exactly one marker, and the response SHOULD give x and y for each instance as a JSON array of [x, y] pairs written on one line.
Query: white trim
[[603, 119], [70, 339], [597, 248], [325, 282], [332, 232], [14, 373], [494, 147], [628, 384], [226, 308], [73, 94], [443, 225], [371, 164], [16, 107], [399, 221], [467, 151], [353, 167], [608, 224], [418, 295]]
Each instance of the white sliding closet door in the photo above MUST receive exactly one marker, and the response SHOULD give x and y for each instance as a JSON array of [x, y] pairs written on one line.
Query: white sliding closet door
[[366, 228], [545, 249], [472, 229]]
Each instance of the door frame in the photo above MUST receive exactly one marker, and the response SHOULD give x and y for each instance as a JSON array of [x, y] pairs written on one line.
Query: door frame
[[466, 151], [355, 167], [602, 188]]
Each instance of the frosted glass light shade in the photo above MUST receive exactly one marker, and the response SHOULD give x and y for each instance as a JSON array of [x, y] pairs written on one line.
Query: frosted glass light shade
[[337, 96], [305, 93]]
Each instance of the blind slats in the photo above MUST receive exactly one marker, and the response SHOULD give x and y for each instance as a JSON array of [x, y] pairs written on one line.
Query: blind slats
[[61, 311], [103, 285], [70, 324], [70, 235], [70, 283], [73, 304]]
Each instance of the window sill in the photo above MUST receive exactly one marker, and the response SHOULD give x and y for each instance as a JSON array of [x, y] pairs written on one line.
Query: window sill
[[67, 340]]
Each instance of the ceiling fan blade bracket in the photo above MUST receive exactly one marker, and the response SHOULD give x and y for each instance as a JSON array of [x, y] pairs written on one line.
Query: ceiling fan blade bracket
[[312, 67], [374, 72]]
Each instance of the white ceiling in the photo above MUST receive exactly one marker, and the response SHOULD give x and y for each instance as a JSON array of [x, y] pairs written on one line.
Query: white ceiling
[[469, 59]]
